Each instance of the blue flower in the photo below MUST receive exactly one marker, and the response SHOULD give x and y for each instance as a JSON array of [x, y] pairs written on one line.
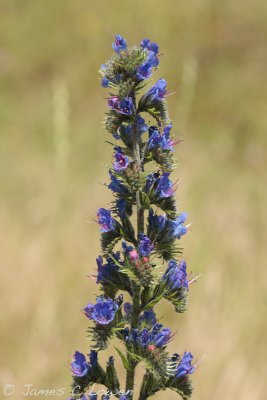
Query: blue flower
[[176, 275], [92, 396], [119, 44], [81, 398], [105, 82], [124, 397], [156, 328], [177, 226], [156, 92], [126, 249], [106, 396], [148, 318], [122, 106], [145, 246], [165, 187], [141, 126], [162, 141], [162, 338], [121, 161], [103, 312], [157, 222], [144, 70], [121, 207], [105, 220], [145, 337], [128, 308], [151, 46], [185, 366], [164, 229], [105, 271], [79, 365], [161, 186]]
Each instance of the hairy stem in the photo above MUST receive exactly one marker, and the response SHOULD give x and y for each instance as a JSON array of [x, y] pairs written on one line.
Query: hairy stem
[[130, 376]]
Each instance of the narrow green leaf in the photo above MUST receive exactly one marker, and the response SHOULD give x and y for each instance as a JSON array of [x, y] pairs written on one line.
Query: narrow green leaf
[[123, 358]]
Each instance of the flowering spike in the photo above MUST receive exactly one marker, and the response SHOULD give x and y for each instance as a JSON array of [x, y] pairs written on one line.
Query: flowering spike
[[142, 226]]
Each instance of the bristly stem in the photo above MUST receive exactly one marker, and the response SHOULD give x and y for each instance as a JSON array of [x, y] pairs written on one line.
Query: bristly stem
[[130, 376]]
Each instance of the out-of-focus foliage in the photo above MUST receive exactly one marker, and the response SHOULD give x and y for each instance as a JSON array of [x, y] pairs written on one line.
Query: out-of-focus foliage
[[51, 142]]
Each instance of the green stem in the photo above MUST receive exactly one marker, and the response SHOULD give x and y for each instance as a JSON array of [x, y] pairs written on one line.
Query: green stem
[[130, 376]]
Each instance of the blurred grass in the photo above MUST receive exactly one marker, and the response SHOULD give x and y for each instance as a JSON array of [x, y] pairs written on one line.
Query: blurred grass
[[53, 165]]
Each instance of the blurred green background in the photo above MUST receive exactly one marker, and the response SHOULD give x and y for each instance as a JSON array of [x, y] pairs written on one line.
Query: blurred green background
[[54, 163]]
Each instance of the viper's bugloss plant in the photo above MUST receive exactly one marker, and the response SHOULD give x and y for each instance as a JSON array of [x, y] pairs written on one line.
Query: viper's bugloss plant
[[139, 235]]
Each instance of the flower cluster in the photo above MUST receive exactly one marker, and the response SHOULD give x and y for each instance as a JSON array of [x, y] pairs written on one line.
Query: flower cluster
[[121, 106], [140, 234], [157, 337]]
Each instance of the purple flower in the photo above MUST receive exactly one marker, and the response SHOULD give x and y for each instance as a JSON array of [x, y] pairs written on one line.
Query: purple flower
[[141, 126], [185, 367], [161, 186], [162, 338], [144, 338], [176, 275], [145, 246], [148, 318], [121, 207], [157, 337], [105, 82], [105, 220], [92, 396], [121, 161], [156, 92], [128, 308], [151, 46], [177, 226], [81, 398], [166, 230], [144, 70], [103, 312], [156, 140], [122, 106], [156, 222], [124, 397], [106, 271], [119, 44], [79, 364], [165, 187], [127, 249]]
